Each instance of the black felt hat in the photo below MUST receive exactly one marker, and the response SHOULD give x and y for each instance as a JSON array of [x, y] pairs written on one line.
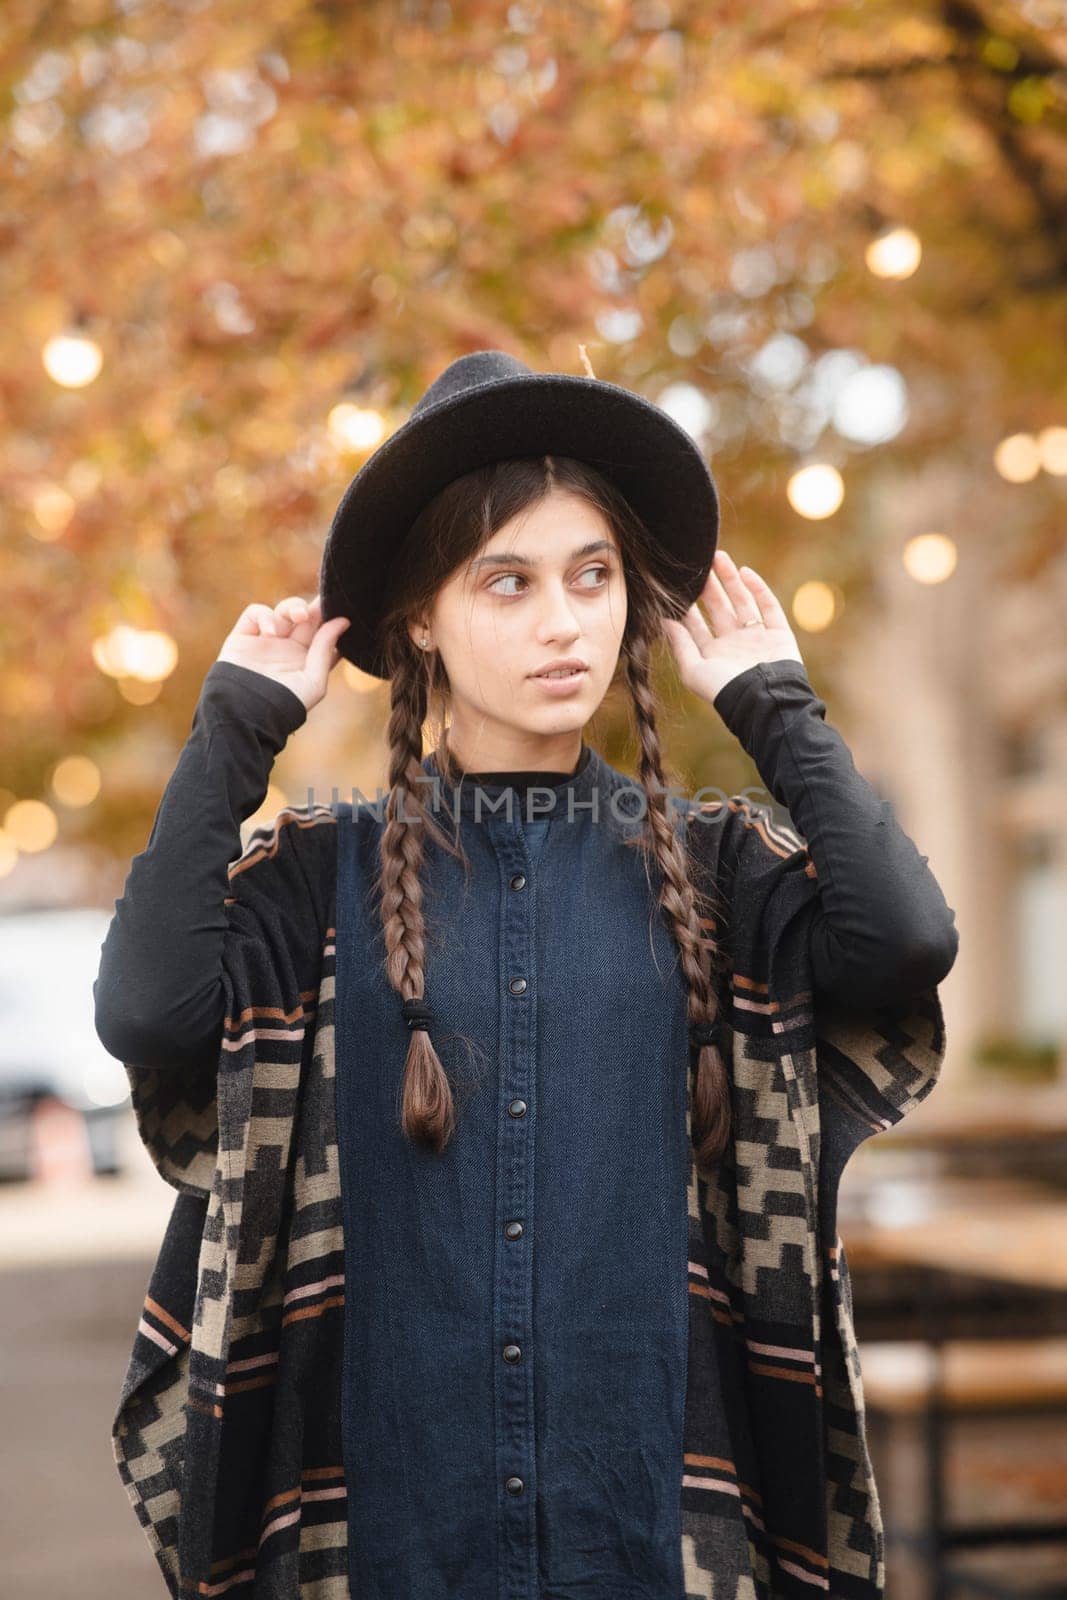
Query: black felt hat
[[489, 406]]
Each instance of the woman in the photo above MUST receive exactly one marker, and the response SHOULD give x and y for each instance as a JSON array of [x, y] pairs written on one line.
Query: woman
[[592, 1303]]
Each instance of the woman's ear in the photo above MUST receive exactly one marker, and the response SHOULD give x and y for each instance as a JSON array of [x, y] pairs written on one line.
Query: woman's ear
[[418, 630]]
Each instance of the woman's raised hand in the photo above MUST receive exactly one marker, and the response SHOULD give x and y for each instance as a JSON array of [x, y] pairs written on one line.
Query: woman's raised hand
[[708, 657], [288, 642]]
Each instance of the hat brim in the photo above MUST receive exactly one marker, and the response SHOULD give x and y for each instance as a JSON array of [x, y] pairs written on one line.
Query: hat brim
[[641, 450]]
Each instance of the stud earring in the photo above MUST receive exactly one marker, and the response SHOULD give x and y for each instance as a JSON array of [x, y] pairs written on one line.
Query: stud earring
[[424, 644]]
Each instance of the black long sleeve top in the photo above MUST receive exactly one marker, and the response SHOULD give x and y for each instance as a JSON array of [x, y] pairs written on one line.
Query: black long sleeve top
[[882, 925]]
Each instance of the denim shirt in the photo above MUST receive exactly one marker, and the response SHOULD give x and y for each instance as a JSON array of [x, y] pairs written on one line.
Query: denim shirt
[[513, 1403]]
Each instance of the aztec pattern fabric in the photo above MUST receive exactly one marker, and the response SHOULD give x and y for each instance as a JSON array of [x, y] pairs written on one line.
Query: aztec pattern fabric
[[227, 1431]]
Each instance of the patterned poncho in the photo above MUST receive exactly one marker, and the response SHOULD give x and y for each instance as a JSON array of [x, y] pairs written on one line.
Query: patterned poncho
[[228, 1429]]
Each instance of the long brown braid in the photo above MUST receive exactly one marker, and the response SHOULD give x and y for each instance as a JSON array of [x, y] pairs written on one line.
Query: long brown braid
[[427, 1112], [678, 898], [451, 529]]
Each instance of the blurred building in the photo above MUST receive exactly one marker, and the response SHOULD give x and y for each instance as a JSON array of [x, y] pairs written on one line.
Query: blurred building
[[956, 702]]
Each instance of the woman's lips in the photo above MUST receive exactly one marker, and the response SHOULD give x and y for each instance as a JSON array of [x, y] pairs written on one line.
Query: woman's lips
[[562, 685]]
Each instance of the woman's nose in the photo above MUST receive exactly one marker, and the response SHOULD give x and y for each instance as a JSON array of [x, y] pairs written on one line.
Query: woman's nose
[[558, 615]]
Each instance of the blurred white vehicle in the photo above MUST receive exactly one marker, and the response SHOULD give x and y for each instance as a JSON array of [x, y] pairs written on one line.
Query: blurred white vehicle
[[49, 1049]]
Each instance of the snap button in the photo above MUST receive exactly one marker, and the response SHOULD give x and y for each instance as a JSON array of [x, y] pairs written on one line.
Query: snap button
[[517, 985], [517, 1108], [512, 1352], [513, 1230], [518, 880], [514, 1485]]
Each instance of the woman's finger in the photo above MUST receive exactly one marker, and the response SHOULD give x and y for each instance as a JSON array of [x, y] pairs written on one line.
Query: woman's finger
[[741, 598], [323, 653], [719, 605], [290, 613], [770, 607], [686, 650], [255, 619], [696, 626]]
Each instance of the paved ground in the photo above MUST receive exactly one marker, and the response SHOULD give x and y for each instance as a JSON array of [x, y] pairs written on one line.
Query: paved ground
[[74, 1266]]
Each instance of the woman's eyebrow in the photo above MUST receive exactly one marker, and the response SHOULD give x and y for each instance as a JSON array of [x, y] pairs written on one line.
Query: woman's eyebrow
[[526, 561]]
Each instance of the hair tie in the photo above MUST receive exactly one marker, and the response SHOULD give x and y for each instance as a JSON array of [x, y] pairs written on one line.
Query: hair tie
[[417, 1014], [701, 1033]]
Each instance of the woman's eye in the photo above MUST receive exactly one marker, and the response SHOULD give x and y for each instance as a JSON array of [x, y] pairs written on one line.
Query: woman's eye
[[513, 577]]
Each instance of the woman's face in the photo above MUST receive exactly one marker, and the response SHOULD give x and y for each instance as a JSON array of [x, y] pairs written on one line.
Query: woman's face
[[548, 584]]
